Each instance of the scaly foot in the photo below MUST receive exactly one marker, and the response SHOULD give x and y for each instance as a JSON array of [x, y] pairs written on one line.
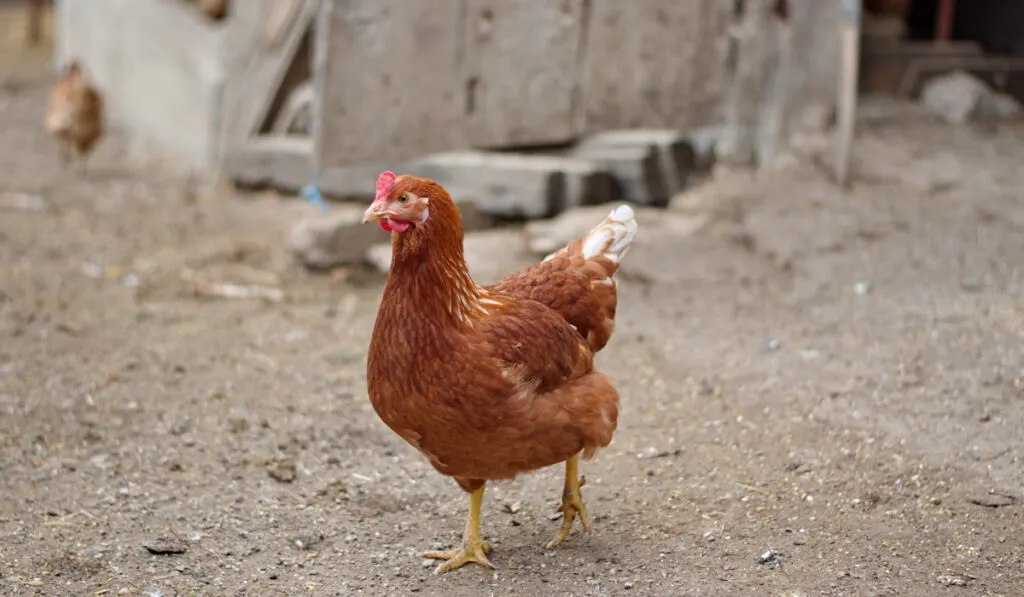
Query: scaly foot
[[572, 503], [472, 551]]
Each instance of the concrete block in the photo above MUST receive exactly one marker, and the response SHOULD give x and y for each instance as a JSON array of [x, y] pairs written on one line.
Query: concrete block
[[501, 184], [282, 162], [636, 171], [587, 183], [676, 155], [504, 185], [337, 238], [704, 141], [286, 163]]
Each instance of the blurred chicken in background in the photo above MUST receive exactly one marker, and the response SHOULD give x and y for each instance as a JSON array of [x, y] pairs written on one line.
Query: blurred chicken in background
[[75, 115], [214, 10]]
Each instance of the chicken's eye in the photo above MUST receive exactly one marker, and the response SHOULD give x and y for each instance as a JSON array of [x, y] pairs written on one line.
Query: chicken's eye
[[403, 199]]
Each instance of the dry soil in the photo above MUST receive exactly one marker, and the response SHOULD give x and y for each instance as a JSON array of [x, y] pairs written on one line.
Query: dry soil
[[834, 378]]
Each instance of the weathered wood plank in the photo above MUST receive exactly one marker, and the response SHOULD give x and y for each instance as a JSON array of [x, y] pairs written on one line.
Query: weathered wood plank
[[521, 71], [784, 72], [412, 77], [392, 79], [654, 63], [263, 39]]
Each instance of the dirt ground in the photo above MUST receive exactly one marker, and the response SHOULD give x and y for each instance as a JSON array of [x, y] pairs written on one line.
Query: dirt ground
[[838, 378]]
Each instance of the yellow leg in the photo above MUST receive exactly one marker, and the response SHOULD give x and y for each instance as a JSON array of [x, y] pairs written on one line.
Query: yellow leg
[[572, 502], [473, 547]]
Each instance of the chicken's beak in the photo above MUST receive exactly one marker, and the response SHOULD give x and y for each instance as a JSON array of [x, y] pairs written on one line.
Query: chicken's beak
[[376, 211]]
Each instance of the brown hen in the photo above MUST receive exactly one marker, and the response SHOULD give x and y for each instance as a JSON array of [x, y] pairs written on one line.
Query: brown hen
[[75, 115], [490, 382]]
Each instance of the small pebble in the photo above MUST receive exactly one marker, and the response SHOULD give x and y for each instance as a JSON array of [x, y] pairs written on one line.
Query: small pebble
[[770, 558], [166, 546], [282, 471], [809, 354], [953, 580]]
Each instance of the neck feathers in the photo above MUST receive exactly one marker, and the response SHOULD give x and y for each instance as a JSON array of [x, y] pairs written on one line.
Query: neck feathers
[[429, 272]]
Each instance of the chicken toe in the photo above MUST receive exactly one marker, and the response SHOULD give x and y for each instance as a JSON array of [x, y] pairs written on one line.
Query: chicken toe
[[572, 502], [473, 549], [469, 552]]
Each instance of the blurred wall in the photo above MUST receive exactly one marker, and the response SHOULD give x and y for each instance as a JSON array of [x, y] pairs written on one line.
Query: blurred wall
[[501, 73], [189, 89]]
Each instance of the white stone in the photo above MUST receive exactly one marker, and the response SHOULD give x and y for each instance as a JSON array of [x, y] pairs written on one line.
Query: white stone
[[336, 238], [960, 97]]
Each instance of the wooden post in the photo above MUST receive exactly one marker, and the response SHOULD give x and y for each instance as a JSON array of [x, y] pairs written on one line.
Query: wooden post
[[774, 110], [944, 22], [849, 39], [321, 30], [35, 22]]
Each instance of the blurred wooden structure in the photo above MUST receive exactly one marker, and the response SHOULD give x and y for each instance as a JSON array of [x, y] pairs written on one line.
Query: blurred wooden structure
[[508, 73], [989, 44], [849, 36], [405, 78]]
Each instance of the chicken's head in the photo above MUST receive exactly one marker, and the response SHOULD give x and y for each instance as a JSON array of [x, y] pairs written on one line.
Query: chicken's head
[[400, 203]]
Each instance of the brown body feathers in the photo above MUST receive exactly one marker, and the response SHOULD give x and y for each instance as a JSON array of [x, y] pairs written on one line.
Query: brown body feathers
[[490, 382], [75, 115]]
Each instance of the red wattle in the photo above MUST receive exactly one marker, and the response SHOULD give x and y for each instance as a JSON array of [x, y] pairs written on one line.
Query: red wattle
[[384, 224]]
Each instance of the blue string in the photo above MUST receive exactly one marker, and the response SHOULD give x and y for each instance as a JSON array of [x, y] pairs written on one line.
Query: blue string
[[312, 194]]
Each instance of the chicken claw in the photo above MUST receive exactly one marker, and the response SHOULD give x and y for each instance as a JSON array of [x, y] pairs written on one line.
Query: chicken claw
[[474, 549], [572, 502], [470, 552]]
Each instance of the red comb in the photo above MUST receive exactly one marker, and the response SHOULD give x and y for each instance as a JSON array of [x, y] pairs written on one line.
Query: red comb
[[385, 181]]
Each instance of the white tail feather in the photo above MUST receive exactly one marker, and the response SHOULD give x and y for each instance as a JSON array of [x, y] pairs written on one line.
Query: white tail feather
[[611, 238]]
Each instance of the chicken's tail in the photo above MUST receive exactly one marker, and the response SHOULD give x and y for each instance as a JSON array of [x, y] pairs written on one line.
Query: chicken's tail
[[610, 239], [597, 256]]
